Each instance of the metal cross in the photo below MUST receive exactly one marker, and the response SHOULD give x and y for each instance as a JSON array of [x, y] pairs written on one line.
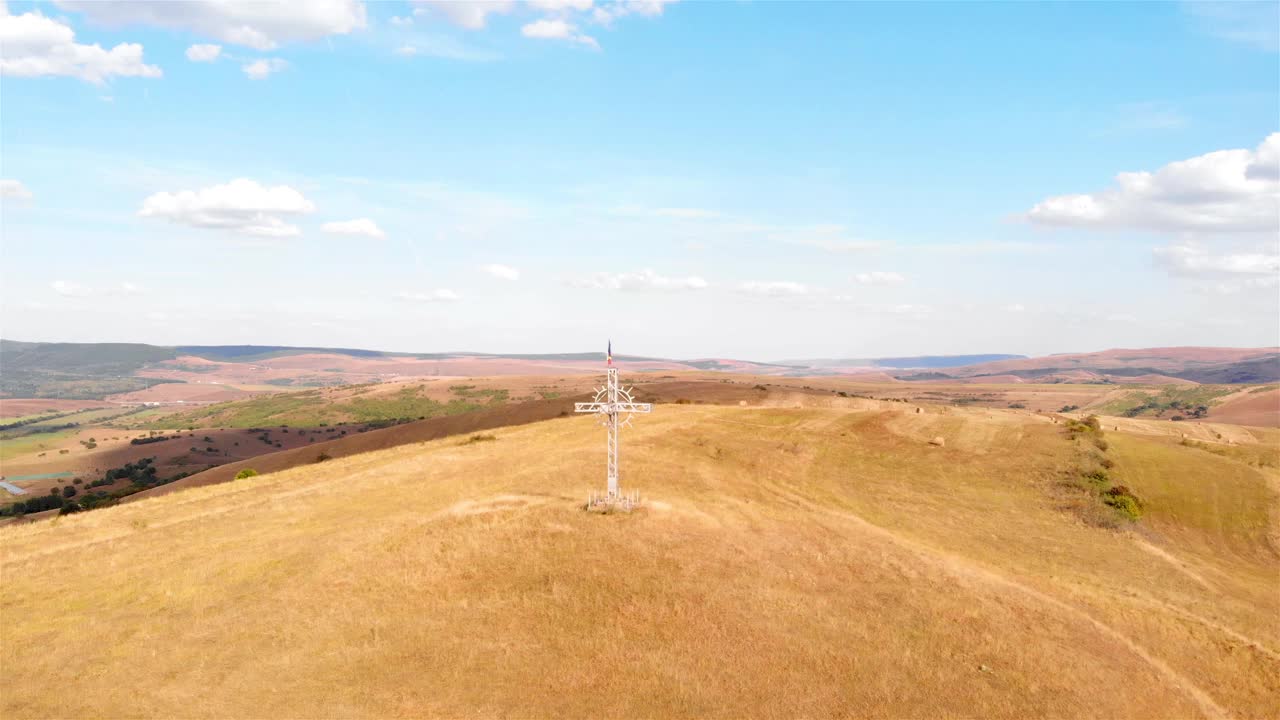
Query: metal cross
[[615, 407]]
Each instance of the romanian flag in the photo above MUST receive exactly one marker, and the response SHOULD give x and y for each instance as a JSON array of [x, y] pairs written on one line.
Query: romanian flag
[[608, 355]]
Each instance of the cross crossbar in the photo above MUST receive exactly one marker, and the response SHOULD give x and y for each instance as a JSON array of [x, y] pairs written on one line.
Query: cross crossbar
[[594, 407]]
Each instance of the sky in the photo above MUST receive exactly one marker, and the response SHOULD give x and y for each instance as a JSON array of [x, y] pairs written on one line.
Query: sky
[[759, 180]]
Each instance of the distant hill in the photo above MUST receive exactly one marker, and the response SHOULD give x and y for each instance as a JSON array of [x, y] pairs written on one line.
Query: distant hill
[[1264, 369], [76, 370], [896, 363], [1197, 364], [98, 370], [134, 372]]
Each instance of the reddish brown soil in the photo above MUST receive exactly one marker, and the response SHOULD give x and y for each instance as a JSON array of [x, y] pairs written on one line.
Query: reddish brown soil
[[21, 407], [1257, 409], [171, 456]]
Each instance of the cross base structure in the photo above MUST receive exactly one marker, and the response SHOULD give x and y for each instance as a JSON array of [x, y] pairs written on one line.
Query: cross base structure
[[614, 406]]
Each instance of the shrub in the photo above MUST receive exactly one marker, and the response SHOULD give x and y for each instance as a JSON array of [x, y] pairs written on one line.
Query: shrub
[[1124, 501], [323, 457], [69, 491], [478, 439], [246, 473], [1101, 443], [1107, 463]]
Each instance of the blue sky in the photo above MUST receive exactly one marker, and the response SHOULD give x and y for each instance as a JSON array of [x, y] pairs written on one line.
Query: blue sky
[[760, 179]]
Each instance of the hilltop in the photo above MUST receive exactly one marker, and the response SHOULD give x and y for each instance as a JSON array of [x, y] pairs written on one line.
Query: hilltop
[[788, 561]]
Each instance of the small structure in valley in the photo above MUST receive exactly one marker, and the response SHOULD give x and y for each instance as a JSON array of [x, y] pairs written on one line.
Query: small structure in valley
[[615, 407]]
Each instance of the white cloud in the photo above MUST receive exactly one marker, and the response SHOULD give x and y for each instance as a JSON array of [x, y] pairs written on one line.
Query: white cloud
[[775, 288], [503, 272], [203, 52], [606, 14], [401, 21], [472, 15], [260, 69], [70, 289], [438, 295], [14, 189], [251, 23], [1121, 318], [1235, 286], [128, 288], [557, 30], [443, 46], [241, 206], [1251, 23], [879, 277], [1015, 308], [561, 5], [642, 280], [32, 45], [905, 309], [1193, 259], [359, 226], [1223, 191]]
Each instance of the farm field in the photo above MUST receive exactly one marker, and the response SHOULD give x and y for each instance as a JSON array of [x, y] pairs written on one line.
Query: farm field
[[980, 576]]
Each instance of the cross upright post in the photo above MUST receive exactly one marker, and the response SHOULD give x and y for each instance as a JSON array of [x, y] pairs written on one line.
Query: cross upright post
[[614, 406]]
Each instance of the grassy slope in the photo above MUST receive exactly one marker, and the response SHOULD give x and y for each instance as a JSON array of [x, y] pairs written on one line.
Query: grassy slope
[[310, 408], [817, 561], [1206, 395]]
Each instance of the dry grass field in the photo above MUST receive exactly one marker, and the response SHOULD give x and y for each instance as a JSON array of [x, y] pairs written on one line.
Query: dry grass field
[[788, 562]]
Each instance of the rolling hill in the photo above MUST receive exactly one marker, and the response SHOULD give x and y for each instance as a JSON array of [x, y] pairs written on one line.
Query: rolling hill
[[788, 561], [1195, 364]]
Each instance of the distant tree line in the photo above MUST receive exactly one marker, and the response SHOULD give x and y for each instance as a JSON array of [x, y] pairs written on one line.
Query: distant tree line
[[141, 475]]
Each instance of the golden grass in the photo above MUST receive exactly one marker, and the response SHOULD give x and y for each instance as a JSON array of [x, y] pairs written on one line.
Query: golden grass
[[789, 562]]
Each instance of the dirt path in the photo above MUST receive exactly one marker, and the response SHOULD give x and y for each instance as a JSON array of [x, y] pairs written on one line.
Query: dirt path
[[1177, 564], [963, 568]]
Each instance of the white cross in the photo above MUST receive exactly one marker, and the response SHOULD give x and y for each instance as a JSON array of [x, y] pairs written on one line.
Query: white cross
[[611, 402]]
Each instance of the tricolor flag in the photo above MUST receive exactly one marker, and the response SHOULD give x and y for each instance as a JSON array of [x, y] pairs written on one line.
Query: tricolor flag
[[608, 355]]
